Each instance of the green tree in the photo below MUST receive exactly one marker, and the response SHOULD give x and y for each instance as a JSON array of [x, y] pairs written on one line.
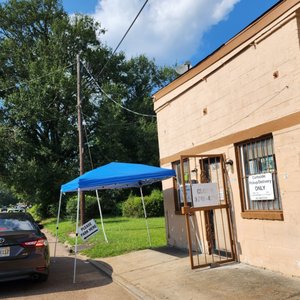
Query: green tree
[[38, 46], [38, 113], [6, 197], [132, 136]]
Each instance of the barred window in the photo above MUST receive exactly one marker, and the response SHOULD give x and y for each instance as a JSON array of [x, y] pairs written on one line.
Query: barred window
[[258, 177], [178, 182]]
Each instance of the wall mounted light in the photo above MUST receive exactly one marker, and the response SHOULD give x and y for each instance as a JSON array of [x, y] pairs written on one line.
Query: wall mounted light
[[229, 162]]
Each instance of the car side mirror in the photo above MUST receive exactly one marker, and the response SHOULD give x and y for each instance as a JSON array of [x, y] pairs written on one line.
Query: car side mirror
[[41, 226]]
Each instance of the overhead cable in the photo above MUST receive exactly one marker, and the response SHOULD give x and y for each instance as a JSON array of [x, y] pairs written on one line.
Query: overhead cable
[[110, 98], [121, 41]]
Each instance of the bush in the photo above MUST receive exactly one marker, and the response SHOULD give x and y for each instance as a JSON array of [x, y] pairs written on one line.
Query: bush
[[154, 205], [34, 210], [132, 207], [52, 210], [91, 208]]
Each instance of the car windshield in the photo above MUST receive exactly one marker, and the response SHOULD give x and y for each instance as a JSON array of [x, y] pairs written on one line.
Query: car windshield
[[15, 225]]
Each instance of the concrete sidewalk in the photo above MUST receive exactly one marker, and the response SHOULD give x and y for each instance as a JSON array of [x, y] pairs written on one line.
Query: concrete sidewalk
[[166, 274]]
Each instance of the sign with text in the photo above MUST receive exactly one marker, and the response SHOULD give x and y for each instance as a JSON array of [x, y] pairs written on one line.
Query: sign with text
[[261, 187], [205, 194], [88, 229], [188, 193]]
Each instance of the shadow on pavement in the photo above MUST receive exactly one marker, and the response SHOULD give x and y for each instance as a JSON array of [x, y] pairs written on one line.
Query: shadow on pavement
[[180, 253], [60, 279]]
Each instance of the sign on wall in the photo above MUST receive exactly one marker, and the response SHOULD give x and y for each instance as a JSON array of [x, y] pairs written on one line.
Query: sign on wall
[[88, 229], [261, 187], [188, 193], [205, 194]]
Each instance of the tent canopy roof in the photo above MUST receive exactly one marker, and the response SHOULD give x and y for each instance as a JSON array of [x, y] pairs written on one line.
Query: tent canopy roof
[[117, 175]]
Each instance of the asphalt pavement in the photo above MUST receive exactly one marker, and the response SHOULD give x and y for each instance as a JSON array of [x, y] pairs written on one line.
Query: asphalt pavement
[[91, 283]]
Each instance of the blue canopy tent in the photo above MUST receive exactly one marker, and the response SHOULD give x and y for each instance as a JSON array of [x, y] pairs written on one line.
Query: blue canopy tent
[[114, 175], [117, 175]]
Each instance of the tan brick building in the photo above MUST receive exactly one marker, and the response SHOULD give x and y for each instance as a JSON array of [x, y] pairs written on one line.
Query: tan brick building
[[230, 126]]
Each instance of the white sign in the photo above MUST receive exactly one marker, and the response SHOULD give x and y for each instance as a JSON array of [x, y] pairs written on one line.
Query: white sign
[[205, 194], [188, 193], [261, 187], [88, 229]]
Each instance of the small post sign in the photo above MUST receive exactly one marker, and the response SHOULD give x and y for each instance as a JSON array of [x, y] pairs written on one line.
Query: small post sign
[[261, 187], [88, 229]]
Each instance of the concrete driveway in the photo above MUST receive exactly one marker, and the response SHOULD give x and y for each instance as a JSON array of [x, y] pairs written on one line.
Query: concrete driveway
[[166, 274], [151, 274]]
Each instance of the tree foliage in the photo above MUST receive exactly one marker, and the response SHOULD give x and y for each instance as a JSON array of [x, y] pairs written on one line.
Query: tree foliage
[[6, 197], [38, 115]]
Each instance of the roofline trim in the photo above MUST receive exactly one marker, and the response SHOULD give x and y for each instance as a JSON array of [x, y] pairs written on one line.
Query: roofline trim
[[246, 34]]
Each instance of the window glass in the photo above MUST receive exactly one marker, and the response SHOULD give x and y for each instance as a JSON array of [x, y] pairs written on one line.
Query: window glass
[[15, 225], [178, 184], [258, 175], [197, 170]]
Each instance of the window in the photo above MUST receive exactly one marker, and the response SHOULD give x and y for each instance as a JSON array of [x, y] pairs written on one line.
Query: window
[[178, 197], [258, 179], [11, 224], [197, 170]]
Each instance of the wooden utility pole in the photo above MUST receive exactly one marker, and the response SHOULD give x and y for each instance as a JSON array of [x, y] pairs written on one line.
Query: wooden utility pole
[[80, 138]]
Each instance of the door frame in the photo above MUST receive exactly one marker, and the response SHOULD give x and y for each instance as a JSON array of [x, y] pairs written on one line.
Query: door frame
[[189, 212]]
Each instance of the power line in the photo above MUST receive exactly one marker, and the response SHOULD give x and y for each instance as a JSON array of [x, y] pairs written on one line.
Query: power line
[[119, 44], [115, 50], [88, 142], [129, 28], [110, 98]]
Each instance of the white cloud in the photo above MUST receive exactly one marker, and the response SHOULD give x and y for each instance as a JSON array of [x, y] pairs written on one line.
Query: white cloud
[[169, 31]]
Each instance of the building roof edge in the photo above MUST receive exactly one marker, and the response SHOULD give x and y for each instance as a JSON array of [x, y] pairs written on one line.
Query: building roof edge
[[252, 29]]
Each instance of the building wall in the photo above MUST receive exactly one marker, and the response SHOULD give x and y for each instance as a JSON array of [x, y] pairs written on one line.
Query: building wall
[[253, 92]]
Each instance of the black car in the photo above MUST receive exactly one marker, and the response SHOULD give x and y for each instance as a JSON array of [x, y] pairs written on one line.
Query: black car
[[24, 250]]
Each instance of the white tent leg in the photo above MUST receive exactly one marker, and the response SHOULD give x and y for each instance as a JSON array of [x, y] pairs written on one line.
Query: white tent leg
[[100, 211], [57, 222], [142, 196], [76, 238]]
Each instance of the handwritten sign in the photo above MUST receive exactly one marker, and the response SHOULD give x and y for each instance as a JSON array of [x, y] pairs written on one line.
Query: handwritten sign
[[205, 194]]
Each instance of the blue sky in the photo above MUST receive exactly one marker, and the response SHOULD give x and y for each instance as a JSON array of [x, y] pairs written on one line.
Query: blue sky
[[189, 30], [244, 12], [185, 30]]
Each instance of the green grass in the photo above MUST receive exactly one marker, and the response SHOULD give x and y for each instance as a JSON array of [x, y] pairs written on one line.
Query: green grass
[[123, 234]]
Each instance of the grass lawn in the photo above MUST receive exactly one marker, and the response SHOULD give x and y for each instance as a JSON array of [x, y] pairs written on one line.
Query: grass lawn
[[123, 234]]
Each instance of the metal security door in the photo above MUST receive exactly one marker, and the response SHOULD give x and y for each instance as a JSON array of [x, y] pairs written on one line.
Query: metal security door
[[207, 210]]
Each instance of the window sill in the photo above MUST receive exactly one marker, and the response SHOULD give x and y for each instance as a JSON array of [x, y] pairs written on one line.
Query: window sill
[[263, 215]]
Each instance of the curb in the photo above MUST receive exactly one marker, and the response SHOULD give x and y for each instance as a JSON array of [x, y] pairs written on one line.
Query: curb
[[131, 288]]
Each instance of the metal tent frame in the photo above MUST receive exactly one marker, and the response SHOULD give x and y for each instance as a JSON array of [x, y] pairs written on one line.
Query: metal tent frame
[[114, 175]]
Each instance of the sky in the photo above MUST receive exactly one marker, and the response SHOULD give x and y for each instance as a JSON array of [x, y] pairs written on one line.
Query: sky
[[170, 32]]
